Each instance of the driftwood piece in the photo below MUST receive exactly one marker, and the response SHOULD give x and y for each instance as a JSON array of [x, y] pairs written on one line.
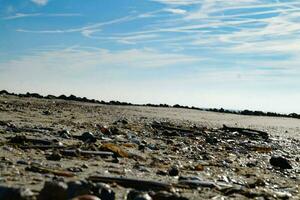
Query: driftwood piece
[[163, 127], [27, 129], [247, 132], [24, 139], [196, 184], [45, 170], [132, 183], [75, 152], [43, 147]]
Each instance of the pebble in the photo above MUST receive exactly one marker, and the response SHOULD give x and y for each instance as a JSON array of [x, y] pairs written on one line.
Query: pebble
[[104, 191], [174, 171], [88, 136], [278, 161], [55, 156], [65, 134], [9, 193], [75, 169], [77, 188], [54, 190], [86, 197], [22, 162], [137, 195]]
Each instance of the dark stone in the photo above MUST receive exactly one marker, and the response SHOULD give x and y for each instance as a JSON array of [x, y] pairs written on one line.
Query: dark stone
[[54, 156], [211, 140], [278, 161], [75, 169], [137, 195], [88, 137], [54, 190], [86, 197], [8, 193], [174, 171], [22, 162], [104, 191], [47, 112], [77, 188], [162, 173], [64, 134], [171, 133]]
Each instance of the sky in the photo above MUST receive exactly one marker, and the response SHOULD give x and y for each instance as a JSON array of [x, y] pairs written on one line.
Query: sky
[[237, 54]]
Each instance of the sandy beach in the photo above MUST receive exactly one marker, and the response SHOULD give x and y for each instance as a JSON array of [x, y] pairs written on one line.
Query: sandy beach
[[152, 142]]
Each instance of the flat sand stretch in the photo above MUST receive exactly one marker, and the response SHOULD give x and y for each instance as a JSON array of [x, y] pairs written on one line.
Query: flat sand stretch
[[49, 144]]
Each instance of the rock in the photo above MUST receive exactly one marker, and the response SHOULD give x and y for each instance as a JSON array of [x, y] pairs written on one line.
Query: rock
[[278, 161], [211, 140], [114, 130], [47, 112], [54, 156], [162, 173], [85, 166], [22, 162], [137, 195], [174, 171], [54, 190], [256, 183], [75, 169], [105, 130], [88, 137], [64, 134], [104, 192], [9, 193], [86, 197], [77, 188]]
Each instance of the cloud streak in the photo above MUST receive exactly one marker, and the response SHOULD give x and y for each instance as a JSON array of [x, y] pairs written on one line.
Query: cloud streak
[[26, 15], [40, 2], [75, 58]]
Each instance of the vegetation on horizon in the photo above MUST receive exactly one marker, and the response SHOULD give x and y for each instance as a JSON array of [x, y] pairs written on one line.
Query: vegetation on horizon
[[84, 99]]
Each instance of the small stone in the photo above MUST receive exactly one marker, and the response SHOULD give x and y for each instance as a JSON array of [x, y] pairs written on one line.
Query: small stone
[[88, 137], [46, 112], [211, 140], [86, 197], [137, 195], [54, 190], [252, 164], [174, 171], [85, 166], [77, 188], [22, 162], [278, 161], [162, 173], [75, 169], [64, 134], [104, 192], [54, 156], [105, 130], [256, 183], [8, 193]]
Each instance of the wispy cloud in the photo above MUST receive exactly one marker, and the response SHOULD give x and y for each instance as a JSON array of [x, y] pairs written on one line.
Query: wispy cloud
[[25, 15], [75, 58], [175, 11], [84, 30], [178, 2], [21, 15], [40, 2]]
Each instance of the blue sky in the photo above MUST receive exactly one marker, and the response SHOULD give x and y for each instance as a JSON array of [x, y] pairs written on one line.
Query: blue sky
[[238, 54]]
